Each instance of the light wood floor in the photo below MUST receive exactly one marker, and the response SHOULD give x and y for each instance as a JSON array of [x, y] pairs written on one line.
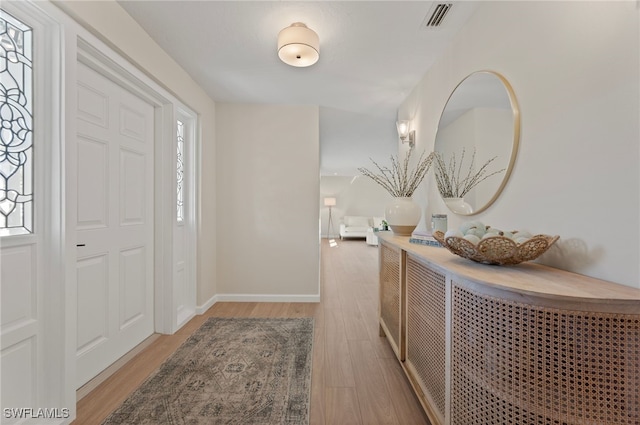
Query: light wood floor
[[356, 378]]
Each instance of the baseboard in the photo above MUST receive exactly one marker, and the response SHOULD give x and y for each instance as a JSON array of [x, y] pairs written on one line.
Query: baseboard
[[207, 305], [268, 298], [262, 298], [113, 368], [184, 316]]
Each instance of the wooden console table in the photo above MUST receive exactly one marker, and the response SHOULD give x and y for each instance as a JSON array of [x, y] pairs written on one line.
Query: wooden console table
[[525, 344]]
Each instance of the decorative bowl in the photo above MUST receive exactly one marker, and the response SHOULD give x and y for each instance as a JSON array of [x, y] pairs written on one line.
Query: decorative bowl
[[498, 250]]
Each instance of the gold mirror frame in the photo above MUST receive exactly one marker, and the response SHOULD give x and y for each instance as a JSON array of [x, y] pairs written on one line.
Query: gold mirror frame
[[516, 135]]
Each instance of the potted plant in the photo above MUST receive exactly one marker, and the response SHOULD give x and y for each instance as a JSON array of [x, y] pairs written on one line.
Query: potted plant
[[401, 181], [453, 184]]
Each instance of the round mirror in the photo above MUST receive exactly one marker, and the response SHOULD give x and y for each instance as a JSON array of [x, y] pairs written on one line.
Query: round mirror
[[477, 142]]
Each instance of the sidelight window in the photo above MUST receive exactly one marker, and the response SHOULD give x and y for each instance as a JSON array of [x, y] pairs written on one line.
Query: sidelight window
[[16, 127], [180, 171]]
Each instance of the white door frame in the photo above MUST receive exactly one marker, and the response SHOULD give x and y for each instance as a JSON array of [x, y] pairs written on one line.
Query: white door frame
[[93, 55], [191, 155], [56, 328], [46, 308], [92, 52]]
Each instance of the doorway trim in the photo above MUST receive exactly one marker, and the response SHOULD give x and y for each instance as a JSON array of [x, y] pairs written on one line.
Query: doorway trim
[[85, 48], [56, 304], [97, 57], [191, 159]]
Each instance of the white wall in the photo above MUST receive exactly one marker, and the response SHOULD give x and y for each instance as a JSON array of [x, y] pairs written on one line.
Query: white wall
[[268, 211], [112, 24], [357, 195], [574, 69], [348, 139]]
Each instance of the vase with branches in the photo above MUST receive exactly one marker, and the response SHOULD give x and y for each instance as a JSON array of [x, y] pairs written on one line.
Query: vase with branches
[[398, 179], [453, 182], [401, 180]]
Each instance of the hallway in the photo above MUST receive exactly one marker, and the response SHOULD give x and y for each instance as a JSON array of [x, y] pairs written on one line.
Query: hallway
[[356, 378]]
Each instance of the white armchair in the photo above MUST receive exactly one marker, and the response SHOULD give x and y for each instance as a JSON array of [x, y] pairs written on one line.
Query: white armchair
[[353, 226], [357, 226]]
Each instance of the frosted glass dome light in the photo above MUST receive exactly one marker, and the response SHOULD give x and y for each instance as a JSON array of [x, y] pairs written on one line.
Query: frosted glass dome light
[[298, 45]]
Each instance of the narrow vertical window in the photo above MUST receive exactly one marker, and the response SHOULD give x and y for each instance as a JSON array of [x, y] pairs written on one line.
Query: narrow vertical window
[[180, 170], [16, 127]]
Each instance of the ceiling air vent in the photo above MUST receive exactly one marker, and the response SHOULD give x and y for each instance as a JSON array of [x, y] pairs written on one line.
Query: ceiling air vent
[[438, 12]]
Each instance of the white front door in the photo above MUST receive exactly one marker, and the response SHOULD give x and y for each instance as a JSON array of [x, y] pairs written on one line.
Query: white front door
[[115, 139]]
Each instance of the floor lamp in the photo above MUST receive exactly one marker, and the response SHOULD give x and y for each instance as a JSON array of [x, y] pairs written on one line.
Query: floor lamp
[[329, 202]]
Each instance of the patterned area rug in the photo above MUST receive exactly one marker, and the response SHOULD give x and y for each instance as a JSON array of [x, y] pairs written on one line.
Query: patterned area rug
[[230, 371]]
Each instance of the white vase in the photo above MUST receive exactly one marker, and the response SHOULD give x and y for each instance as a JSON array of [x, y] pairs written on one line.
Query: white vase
[[458, 206], [403, 215]]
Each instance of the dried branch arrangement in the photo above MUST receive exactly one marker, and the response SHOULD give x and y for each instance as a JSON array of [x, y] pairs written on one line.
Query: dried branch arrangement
[[451, 183], [398, 180]]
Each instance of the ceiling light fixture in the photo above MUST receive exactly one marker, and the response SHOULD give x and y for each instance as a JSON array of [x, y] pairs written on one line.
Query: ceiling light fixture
[[298, 45], [406, 135]]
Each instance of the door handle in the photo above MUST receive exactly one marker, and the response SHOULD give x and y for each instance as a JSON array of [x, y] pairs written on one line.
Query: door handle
[[80, 244]]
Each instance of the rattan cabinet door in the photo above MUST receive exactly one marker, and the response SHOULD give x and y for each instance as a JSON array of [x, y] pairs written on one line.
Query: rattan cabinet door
[[391, 269], [426, 334], [518, 363]]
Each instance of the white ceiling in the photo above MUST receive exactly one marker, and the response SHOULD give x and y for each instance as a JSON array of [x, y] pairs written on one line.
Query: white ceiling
[[372, 53]]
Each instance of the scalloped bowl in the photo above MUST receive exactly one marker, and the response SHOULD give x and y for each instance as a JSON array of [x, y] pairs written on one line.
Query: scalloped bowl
[[497, 250]]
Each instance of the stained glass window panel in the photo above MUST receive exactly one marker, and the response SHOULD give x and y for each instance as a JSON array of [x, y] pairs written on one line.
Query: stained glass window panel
[[16, 127], [180, 171]]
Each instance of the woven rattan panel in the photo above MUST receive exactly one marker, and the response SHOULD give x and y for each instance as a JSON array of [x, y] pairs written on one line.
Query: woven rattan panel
[[520, 364], [390, 292], [426, 329]]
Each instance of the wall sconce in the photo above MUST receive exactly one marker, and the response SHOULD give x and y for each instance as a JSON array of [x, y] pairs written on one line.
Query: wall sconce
[[406, 135]]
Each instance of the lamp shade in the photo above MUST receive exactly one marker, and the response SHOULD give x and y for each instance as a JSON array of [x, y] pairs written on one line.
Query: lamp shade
[[403, 129], [298, 45], [329, 202]]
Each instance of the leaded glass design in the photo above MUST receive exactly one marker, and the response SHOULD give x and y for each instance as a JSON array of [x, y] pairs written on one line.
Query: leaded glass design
[[180, 170], [16, 128]]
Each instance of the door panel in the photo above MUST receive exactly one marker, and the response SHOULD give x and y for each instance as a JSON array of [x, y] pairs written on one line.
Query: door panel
[[92, 275], [132, 188], [132, 288], [19, 381], [132, 124], [18, 286], [93, 105], [115, 222], [93, 179]]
